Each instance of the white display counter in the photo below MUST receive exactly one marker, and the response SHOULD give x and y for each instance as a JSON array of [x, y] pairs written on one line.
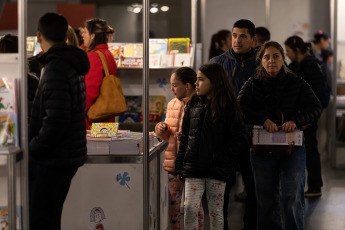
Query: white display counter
[[107, 193]]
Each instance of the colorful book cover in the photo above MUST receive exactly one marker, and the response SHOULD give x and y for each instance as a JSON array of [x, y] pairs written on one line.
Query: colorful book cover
[[116, 49], [131, 62], [154, 60], [182, 60], [158, 46], [178, 45], [9, 130], [30, 44], [156, 109], [133, 50], [4, 218], [133, 110], [133, 103], [7, 95], [104, 129], [38, 49], [129, 117]]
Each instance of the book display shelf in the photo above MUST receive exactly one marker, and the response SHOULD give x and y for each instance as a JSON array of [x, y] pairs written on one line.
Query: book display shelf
[[13, 174]]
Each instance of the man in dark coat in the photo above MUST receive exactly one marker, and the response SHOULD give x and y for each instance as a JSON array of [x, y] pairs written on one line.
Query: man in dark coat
[[57, 131], [240, 64]]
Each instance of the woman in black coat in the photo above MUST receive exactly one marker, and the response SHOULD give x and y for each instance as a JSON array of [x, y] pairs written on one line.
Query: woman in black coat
[[307, 67], [276, 98]]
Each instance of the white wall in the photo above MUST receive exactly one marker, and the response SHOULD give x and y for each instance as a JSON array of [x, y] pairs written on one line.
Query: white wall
[[286, 17]]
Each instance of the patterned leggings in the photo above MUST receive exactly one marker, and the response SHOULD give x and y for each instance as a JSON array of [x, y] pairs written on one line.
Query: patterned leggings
[[194, 188], [175, 188]]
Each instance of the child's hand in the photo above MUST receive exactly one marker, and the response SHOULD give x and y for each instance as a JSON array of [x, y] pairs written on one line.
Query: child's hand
[[162, 128], [178, 135]]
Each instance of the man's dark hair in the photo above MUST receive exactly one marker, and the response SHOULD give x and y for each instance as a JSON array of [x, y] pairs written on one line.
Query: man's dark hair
[[262, 34], [53, 27], [320, 34], [245, 24]]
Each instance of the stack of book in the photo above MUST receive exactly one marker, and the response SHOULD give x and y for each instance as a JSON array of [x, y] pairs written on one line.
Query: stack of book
[[163, 53]]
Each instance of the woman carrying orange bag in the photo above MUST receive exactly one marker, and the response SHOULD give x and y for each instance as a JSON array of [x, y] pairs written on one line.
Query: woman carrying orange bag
[[96, 34]]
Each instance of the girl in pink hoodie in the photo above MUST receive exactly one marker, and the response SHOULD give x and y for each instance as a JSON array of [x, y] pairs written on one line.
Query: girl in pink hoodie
[[183, 86]]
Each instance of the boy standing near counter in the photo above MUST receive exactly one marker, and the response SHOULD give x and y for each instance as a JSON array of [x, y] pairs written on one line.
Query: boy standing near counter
[[57, 131]]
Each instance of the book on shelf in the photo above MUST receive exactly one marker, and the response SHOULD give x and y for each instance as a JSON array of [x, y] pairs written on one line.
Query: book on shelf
[[133, 50], [7, 95], [8, 113], [30, 44], [131, 62], [154, 60], [133, 110], [158, 46], [178, 45], [4, 217], [116, 49], [167, 60], [9, 130], [156, 109], [182, 60]]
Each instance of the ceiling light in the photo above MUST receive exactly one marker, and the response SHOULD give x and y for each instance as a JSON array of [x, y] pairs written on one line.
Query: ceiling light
[[136, 10], [164, 8]]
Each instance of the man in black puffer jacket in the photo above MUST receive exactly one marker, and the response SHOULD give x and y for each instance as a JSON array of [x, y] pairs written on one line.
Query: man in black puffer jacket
[[57, 131]]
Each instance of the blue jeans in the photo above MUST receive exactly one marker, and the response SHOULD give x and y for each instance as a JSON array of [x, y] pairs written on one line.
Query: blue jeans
[[290, 172]]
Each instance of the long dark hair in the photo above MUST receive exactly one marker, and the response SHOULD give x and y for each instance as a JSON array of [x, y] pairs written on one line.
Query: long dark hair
[[295, 42], [103, 32], [222, 91], [260, 69], [216, 42]]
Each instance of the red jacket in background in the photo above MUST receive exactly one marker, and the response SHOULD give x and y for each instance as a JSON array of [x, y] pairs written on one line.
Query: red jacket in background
[[93, 78]]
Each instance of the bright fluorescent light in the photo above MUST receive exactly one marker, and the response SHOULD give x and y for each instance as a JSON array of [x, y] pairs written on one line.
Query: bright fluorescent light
[[164, 8], [154, 10]]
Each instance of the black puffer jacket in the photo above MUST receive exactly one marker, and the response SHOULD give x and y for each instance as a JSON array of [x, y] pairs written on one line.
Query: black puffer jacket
[[57, 131], [289, 94], [310, 70], [208, 149]]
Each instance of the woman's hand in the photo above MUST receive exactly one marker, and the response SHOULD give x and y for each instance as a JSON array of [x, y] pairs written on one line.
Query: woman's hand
[[289, 126], [162, 128], [270, 126]]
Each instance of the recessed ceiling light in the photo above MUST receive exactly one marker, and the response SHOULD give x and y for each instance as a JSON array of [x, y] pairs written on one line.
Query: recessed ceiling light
[[164, 8]]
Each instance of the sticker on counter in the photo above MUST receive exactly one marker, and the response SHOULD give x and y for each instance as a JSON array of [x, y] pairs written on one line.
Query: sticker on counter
[[97, 217], [122, 179]]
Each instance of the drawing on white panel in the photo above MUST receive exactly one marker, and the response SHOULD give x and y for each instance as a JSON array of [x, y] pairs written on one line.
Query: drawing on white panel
[[162, 82], [123, 179], [96, 216]]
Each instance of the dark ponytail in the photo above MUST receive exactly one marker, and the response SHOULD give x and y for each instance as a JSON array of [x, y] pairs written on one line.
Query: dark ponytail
[[295, 42]]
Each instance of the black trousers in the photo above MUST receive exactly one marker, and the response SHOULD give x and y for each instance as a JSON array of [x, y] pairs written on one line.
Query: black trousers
[[48, 190], [314, 178], [250, 216]]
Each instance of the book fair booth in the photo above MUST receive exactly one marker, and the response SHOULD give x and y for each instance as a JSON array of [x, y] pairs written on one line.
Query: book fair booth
[[123, 183]]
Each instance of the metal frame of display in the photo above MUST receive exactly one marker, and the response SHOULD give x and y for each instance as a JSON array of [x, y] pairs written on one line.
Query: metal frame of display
[[146, 14]]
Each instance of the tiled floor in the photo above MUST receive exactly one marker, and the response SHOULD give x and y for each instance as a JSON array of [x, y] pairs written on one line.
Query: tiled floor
[[325, 213]]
